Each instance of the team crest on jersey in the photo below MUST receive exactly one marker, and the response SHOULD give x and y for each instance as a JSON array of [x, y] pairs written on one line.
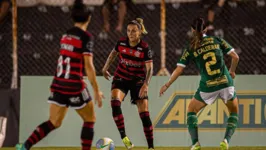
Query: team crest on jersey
[[137, 54], [130, 51]]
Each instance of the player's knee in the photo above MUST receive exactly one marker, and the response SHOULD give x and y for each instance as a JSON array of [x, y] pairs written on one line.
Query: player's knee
[[143, 109], [142, 105], [56, 123], [192, 108], [232, 105], [89, 118], [195, 105], [192, 119], [233, 109]]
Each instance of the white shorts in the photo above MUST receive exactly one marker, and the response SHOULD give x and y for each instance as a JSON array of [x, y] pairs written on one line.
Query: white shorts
[[225, 94]]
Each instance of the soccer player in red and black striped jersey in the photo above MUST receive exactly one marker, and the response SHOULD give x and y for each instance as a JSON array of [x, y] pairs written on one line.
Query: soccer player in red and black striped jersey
[[133, 74], [68, 88]]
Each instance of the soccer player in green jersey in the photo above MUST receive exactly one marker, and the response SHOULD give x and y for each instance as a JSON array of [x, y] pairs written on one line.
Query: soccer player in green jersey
[[216, 80]]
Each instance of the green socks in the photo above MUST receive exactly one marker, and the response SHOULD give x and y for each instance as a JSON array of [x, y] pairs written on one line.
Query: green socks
[[231, 126], [192, 123]]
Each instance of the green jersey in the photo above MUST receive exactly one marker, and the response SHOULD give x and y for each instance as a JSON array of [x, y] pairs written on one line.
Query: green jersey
[[210, 62]]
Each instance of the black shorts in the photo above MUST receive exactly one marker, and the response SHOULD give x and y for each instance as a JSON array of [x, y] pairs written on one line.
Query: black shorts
[[75, 101], [133, 86]]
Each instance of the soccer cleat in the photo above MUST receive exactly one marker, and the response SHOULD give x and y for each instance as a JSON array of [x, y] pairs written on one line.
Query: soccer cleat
[[127, 143], [224, 145], [151, 149], [20, 147], [196, 146]]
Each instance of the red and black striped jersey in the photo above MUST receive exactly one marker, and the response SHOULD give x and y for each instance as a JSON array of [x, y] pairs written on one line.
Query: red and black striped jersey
[[68, 78], [132, 59]]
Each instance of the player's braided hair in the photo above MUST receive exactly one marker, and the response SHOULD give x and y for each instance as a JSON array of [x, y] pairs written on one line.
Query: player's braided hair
[[80, 13], [140, 24], [198, 25]]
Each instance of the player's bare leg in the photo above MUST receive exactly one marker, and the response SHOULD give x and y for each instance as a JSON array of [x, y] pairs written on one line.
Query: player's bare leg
[[146, 121], [192, 121], [57, 114], [231, 123], [88, 116], [106, 13], [122, 10]]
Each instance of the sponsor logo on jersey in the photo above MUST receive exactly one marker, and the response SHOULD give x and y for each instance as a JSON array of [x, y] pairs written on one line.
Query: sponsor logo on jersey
[[124, 44], [252, 113], [139, 48], [130, 63]]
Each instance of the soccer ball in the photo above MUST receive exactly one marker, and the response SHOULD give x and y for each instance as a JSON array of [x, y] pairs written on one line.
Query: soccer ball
[[105, 144]]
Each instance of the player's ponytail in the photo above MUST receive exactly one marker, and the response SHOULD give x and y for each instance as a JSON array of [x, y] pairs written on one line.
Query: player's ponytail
[[143, 29], [199, 26], [80, 13], [140, 24]]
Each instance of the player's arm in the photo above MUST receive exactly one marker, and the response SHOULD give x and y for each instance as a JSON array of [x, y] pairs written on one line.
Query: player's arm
[[90, 71], [234, 63], [149, 65], [149, 72], [177, 72], [183, 62], [112, 56], [229, 50]]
